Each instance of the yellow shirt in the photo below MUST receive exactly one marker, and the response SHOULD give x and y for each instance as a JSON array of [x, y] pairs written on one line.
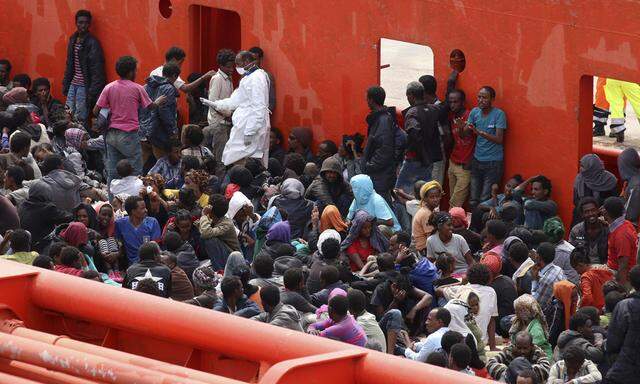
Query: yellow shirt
[[203, 201], [21, 257]]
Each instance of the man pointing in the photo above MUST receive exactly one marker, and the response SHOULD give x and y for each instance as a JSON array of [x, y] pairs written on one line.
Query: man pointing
[[249, 135]]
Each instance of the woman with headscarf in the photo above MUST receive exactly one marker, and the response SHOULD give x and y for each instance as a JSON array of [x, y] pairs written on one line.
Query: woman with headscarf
[[364, 239], [629, 169], [39, 215], [529, 317], [278, 241], [76, 142], [463, 308], [365, 198], [421, 229], [554, 229], [461, 227], [332, 219], [445, 241], [298, 208], [205, 280], [108, 250], [300, 139], [565, 303], [594, 181], [244, 218]]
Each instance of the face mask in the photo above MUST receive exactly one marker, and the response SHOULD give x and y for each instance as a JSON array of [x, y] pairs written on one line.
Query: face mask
[[241, 70]]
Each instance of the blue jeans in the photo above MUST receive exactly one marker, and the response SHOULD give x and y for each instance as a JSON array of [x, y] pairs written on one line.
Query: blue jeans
[[122, 145], [77, 101], [483, 175], [410, 172]]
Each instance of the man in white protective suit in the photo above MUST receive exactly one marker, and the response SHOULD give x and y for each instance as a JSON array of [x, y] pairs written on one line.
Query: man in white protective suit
[[249, 135]]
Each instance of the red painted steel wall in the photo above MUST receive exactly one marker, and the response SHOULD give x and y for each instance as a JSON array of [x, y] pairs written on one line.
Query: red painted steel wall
[[324, 54]]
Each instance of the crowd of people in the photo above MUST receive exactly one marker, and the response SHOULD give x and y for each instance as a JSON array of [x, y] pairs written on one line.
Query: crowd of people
[[350, 242]]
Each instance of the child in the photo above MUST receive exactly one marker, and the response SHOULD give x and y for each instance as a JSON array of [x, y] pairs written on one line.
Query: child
[[430, 195], [72, 261], [127, 183], [459, 359], [340, 325], [191, 139]]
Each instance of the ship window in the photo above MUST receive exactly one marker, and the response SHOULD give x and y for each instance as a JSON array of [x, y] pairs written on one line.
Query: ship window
[[616, 106], [166, 8], [401, 63]]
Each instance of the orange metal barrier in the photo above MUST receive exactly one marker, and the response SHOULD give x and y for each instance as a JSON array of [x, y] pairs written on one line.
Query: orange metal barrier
[[169, 336]]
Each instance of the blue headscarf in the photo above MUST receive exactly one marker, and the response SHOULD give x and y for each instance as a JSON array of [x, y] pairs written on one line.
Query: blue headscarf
[[366, 199]]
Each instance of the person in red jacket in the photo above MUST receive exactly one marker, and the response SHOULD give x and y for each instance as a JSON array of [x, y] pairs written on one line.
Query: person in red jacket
[[592, 278], [622, 241]]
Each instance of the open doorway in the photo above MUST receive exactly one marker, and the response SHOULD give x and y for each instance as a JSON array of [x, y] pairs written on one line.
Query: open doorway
[[211, 30], [401, 63], [616, 110]]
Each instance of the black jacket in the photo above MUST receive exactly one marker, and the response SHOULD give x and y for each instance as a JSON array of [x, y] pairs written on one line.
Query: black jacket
[[378, 158], [623, 339], [422, 124], [91, 65], [149, 269]]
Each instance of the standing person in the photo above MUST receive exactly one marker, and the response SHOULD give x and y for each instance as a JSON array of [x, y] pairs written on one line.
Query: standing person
[[488, 123], [84, 76], [159, 126], [421, 125], [220, 88], [592, 181], [629, 169], [249, 136], [259, 55], [623, 239], [591, 233], [623, 335], [378, 157], [123, 98], [5, 78], [430, 86], [464, 143], [176, 55]]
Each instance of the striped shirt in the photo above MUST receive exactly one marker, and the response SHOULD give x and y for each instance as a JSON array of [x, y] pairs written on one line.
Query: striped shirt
[[78, 78]]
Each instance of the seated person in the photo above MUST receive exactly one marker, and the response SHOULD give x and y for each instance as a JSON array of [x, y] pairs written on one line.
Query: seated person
[[397, 302], [340, 325], [437, 324], [262, 268], [276, 313], [523, 347], [364, 239], [137, 228], [294, 292], [205, 280], [368, 322], [574, 368], [71, 261], [17, 193], [234, 301], [329, 280], [181, 288], [185, 255], [522, 263], [192, 138], [169, 166], [539, 207], [491, 209], [148, 286], [218, 231], [149, 267], [592, 278], [445, 241], [44, 262], [591, 233], [421, 226], [580, 334], [459, 359], [330, 188], [127, 184], [20, 241], [366, 199]]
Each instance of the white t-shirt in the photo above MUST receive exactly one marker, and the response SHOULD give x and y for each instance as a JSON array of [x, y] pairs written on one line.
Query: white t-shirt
[[488, 304], [456, 247], [158, 72]]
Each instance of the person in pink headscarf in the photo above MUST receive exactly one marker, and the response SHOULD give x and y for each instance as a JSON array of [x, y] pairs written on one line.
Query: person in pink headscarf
[[460, 224], [322, 313], [505, 290], [75, 234]]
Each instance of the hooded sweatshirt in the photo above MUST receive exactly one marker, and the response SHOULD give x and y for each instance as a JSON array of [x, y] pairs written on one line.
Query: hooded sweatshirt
[[159, 124], [39, 215], [65, 188], [366, 199], [326, 193], [574, 338]]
